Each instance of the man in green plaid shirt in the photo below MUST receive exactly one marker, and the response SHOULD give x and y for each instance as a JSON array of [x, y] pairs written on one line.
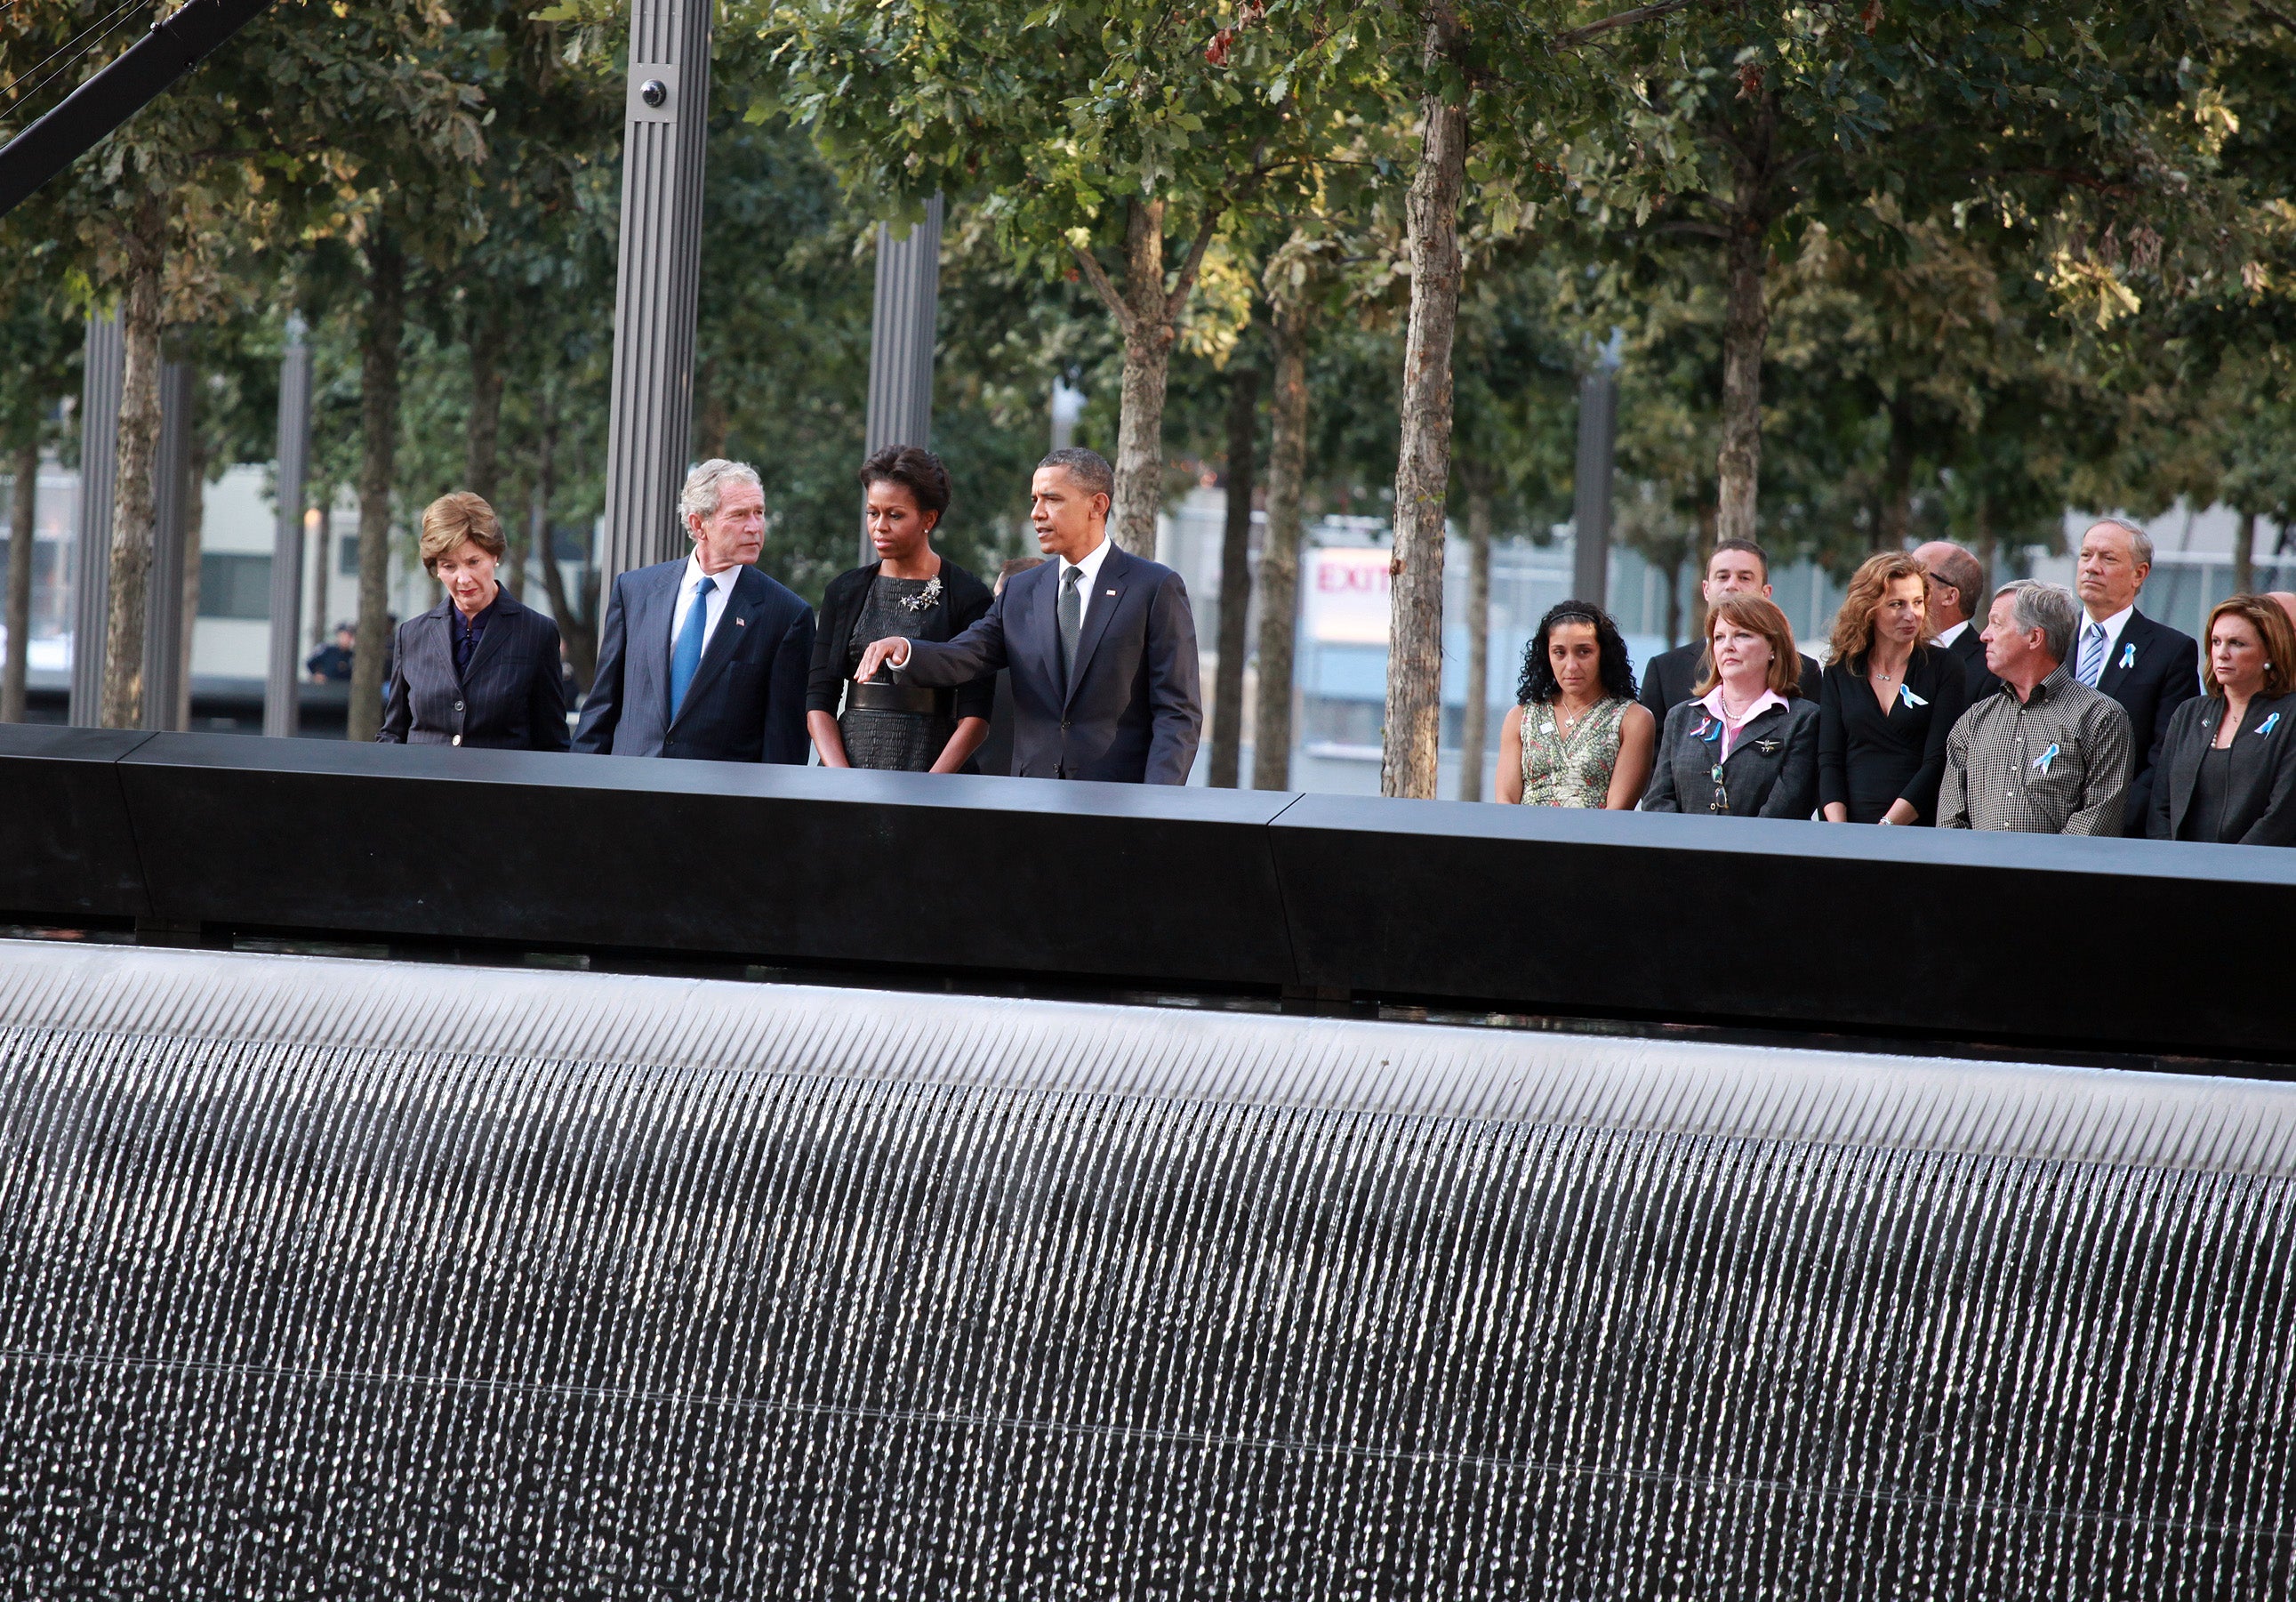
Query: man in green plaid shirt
[[2044, 754]]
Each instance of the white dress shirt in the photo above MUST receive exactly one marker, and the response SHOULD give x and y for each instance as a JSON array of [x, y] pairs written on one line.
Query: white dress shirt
[[1946, 636], [2113, 625], [1091, 566], [722, 591]]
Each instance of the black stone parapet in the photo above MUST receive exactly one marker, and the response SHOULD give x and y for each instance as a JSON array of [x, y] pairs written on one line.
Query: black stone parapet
[[2111, 945]]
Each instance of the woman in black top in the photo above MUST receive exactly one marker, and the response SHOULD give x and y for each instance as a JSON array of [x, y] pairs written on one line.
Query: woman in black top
[[478, 669], [1888, 702], [2227, 768], [913, 591]]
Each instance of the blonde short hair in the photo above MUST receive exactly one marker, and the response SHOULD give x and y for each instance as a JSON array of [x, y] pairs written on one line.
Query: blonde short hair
[[454, 518]]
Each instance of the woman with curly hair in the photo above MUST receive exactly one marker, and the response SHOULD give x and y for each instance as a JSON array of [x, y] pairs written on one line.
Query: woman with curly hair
[[1748, 746], [1576, 736], [1888, 702]]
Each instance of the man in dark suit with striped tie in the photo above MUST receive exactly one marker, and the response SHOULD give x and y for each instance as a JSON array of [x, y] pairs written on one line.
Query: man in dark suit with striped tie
[[2148, 667], [704, 657], [1101, 644]]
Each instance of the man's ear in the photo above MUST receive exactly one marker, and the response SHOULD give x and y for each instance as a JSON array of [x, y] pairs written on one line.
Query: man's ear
[[1101, 505]]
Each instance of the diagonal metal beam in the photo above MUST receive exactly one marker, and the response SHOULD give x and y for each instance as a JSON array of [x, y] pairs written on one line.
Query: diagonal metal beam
[[148, 69]]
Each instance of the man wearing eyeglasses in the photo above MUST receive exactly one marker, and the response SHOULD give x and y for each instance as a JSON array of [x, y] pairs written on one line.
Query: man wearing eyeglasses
[[1956, 585]]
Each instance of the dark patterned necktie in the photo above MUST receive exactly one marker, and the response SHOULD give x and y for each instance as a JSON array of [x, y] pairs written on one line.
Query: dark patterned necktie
[[1071, 619]]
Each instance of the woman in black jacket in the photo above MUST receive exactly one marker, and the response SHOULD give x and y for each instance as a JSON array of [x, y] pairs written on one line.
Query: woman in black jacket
[[1888, 699], [1748, 746], [478, 669], [2228, 766], [913, 591]]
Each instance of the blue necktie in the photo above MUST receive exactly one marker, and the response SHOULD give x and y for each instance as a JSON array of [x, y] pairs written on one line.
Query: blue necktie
[[2092, 656], [686, 660]]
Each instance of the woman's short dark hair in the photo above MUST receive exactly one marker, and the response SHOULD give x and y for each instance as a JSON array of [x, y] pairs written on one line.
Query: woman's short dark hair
[[913, 468], [1537, 686]]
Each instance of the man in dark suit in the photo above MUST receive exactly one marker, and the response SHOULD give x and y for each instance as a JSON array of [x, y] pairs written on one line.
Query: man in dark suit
[[1956, 585], [704, 657], [1738, 567], [1101, 644], [2148, 668]]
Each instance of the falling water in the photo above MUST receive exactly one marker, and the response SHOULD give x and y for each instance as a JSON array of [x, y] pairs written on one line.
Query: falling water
[[323, 1278]]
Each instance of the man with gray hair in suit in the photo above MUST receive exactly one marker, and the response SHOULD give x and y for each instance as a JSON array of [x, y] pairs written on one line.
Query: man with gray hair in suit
[[704, 656], [2044, 754]]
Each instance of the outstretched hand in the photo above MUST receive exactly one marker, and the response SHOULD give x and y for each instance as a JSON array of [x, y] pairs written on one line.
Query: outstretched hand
[[873, 658]]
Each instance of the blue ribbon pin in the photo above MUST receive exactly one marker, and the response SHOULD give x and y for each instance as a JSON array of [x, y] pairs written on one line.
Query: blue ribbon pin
[[1905, 693], [2128, 656], [2266, 727], [1708, 723], [2047, 757]]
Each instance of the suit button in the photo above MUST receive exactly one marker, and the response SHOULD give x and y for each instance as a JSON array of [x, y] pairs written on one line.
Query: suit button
[[458, 706], [1064, 726]]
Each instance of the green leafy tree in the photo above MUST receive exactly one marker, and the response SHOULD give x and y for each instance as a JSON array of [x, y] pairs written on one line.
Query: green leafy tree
[[1111, 140]]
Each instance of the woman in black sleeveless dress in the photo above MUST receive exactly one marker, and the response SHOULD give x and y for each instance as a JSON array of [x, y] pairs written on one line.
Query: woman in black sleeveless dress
[[912, 591]]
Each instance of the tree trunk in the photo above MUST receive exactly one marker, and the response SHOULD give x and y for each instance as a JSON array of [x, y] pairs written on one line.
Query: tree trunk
[[1235, 576], [482, 460], [134, 503], [195, 520], [386, 318], [23, 512], [1896, 519], [1147, 364], [577, 626], [1746, 329], [1710, 522], [2243, 558], [1279, 553], [322, 540], [1474, 726], [711, 423], [1422, 472]]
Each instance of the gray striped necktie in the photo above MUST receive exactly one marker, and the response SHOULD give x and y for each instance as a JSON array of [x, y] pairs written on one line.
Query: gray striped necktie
[[2092, 656]]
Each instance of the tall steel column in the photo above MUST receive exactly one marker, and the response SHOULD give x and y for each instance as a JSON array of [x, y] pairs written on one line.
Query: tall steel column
[[163, 596], [1598, 432], [281, 718], [104, 373], [901, 331], [660, 284]]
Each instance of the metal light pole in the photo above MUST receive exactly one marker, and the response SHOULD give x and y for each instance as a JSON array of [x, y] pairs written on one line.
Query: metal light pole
[[660, 282], [105, 371], [1598, 432], [282, 711], [901, 331], [163, 607]]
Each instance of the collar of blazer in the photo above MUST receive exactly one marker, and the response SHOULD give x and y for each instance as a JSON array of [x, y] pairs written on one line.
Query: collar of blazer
[[732, 629], [442, 638], [2127, 651], [2250, 757], [1761, 735], [1115, 577]]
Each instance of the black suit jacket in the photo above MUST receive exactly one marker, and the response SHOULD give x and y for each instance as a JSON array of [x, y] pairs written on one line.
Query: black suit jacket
[[1772, 771], [1672, 677], [511, 697], [1132, 711], [2154, 669], [747, 700], [1968, 648], [2261, 803]]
